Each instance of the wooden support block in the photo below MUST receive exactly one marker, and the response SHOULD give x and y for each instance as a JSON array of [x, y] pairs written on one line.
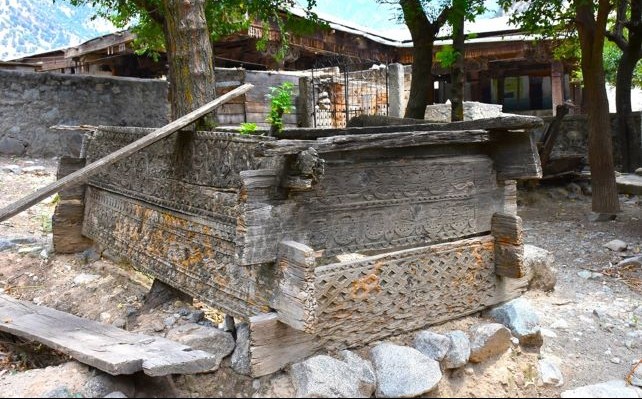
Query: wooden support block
[[66, 166], [67, 227], [274, 345], [507, 231], [515, 155], [294, 299]]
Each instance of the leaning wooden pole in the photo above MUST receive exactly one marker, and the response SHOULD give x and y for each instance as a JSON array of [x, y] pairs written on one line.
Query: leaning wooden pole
[[81, 175]]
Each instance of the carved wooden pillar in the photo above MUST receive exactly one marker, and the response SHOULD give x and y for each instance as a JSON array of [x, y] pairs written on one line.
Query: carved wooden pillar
[[557, 84]]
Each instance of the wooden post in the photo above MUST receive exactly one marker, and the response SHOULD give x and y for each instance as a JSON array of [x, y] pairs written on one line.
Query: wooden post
[[83, 174]]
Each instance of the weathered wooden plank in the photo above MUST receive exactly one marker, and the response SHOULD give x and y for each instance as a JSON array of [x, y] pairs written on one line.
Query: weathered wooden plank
[[504, 124], [67, 227], [105, 347], [294, 298], [83, 174], [515, 155], [274, 345], [66, 166], [509, 245], [373, 141]]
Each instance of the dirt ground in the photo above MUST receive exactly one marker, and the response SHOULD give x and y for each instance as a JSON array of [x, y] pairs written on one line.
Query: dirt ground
[[592, 321]]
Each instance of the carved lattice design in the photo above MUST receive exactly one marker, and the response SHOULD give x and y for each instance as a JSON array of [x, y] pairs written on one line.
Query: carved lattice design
[[363, 301]]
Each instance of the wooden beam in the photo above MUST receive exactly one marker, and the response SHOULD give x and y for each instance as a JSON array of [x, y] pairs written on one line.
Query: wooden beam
[[507, 231], [110, 349], [365, 141], [83, 174]]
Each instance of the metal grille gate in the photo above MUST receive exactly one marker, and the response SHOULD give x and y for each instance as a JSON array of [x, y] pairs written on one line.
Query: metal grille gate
[[344, 88]]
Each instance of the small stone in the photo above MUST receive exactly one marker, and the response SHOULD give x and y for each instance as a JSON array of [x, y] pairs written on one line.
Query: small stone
[[459, 351], [157, 325], [169, 321], [119, 323], [6, 245], [431, 344], [84, 278], [560, 324], [208, 339], [36, 170], [58, 392], [616, 245], [403, 372], [616, 360], [115, 394], [609, 389], [548, 333], [30, 250], [574, 190], [105, 317], [601, 217], [588, 275], [539, 263], [196, 316], [550, 373], [520, 317], [514, 341], [469, 371], [184, 312], [12, 168], [487, 340], [241, 355]]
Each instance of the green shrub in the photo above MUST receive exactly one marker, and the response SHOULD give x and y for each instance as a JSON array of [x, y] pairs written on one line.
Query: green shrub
[[280, 103], [248, 128]]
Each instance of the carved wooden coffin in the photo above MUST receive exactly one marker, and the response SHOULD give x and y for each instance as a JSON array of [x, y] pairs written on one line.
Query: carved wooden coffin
[[351, 235]]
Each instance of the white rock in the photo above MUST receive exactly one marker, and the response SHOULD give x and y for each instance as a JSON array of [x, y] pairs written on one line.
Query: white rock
[[522, 320], [326, 377], [403, 372], [560, 324], [550, 373], [548, 333], [616, 245], [609, 389], [459, 351], [84, 278], [487, 340]]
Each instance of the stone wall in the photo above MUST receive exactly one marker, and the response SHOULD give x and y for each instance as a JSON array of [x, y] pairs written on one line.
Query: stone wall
[[30, 103]]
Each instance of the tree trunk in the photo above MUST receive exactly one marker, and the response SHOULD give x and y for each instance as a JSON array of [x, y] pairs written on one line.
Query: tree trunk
[[592, 33], [423, 34], [628, 131], [189, 55], [457, 73]]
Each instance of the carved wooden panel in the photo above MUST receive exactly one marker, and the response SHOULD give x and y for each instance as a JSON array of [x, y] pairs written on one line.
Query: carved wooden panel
[[378, 205], [362, 301], [194, 173], [195, 255]]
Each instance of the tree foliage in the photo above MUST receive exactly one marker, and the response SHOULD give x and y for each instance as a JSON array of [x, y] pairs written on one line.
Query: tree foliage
[[145, 18]]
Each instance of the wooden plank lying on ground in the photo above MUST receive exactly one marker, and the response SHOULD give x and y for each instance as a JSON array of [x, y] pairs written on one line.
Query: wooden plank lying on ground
[[105, 347], [83, 174]]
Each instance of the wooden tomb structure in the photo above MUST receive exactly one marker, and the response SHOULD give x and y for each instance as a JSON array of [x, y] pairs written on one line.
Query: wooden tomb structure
[[324, 239]]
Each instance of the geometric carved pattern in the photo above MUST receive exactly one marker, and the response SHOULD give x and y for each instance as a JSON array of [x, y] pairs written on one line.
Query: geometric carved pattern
[[380, 296]]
